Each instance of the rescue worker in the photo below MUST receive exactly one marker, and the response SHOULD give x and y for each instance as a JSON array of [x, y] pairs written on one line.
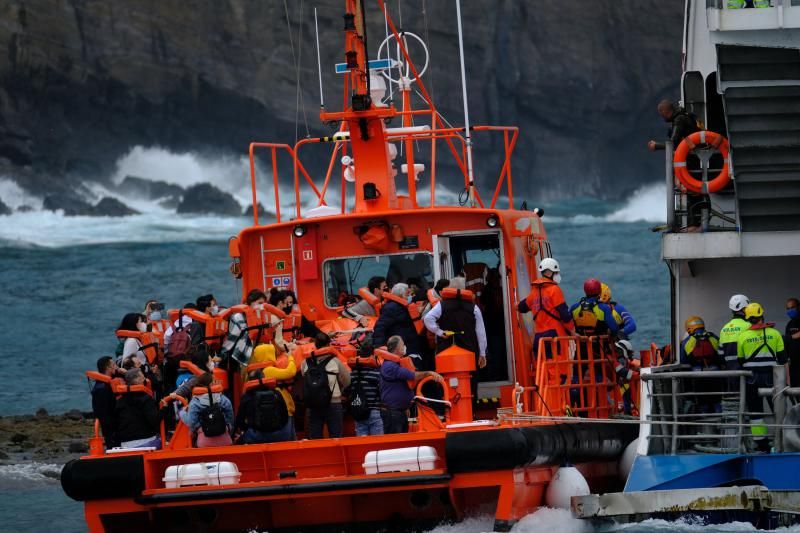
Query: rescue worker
[[625, 370], [741, 4], [700, 350], [591, 316], [729, 334], [546, 302], [362, 309], [623, 318], [760, 349]]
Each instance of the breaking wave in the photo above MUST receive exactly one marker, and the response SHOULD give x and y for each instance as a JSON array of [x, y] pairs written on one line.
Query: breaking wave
[[27, 475]]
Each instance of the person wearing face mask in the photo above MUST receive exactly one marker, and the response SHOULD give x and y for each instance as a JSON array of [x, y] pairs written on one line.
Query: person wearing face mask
[[238, 343], [546, 302], [207, 304], [792, 340], [131, 346], [283, 301], [399, 317]]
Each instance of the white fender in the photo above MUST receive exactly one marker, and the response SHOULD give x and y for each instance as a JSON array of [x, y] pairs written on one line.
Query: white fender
[[627, 459], [566, 483]]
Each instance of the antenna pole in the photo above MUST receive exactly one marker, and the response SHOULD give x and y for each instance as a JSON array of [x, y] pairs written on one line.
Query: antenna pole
[[468, 133], [319, 63]]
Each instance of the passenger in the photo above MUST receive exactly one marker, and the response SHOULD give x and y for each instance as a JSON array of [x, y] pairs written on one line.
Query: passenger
[[136, 414], [202, 360], [181, 322], [324, 379], [624, 320], [260, 410], [307, 327], [131, 346], [363, 309], [792, 340], [700, 350], [395, 319], [625, 372], [153, 310], [365, 384], [210, 420], [103, 400], [463, 321], [760, 349], [283, 301], [207, 304], [551, 315], [238, 343], [396, 394]]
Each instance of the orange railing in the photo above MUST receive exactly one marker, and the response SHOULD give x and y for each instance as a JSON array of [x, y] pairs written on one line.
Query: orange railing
[[576, 375]]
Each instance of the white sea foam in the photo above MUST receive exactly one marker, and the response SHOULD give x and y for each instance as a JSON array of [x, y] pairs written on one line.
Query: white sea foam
[[647, 204], [28, 474], [13, 196]]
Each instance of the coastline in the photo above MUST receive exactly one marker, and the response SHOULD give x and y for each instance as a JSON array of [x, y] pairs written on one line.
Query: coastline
[[43, 437]]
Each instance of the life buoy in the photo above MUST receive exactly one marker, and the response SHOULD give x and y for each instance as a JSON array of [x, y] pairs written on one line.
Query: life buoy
[[413, 310], [715, 140]]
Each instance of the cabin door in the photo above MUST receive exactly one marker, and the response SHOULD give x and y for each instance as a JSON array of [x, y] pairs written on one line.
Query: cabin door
[[478, 256]]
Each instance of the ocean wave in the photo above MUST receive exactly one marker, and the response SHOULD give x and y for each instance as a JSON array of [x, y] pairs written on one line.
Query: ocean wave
[[27, 475], [647, 204]]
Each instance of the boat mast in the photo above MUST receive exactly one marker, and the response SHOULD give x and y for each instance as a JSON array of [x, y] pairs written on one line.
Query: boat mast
[[468, 133]]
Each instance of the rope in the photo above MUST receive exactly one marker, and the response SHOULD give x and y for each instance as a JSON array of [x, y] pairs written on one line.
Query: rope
[[299, 100]]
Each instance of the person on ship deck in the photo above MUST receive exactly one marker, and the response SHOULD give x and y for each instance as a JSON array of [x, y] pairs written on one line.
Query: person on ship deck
[[700, 350], [623, 318], [104, 401], [181, 322], [283, 301], [323, 395], [792, 340], [729, 335], [130, 345], [396, 319], [546, 302], [136, 414], [363, 309], [196, 415]]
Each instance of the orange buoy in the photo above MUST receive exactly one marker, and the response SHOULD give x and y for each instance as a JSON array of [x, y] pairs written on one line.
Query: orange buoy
[[715, 140]]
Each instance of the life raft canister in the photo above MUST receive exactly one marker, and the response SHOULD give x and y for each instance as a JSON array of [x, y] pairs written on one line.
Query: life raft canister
[[715, 140]]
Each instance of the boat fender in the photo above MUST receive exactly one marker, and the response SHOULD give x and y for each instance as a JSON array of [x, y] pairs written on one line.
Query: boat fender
[[566, 483], [626, 461], [791, 436], [103, 478]]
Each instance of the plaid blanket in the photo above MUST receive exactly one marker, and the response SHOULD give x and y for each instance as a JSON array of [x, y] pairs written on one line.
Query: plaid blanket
[[237, 343]]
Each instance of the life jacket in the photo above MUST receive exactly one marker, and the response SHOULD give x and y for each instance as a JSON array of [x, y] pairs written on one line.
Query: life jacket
[[475, 275], [259, 322], [214, 327], [702, 350], [120, 388], [159, 328], [291, 325], [385, 355], [97, 376], [412, 308], [458, 314], [148, 342], [220, 375], [589, 318], [543, 300], [371, 299], [759, 346]]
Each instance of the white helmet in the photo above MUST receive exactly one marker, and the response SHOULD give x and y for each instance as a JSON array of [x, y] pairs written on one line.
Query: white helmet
[[625, 347], [738, 302], [549, 263]]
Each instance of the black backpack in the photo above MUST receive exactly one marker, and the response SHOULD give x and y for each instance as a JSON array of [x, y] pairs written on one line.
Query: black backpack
[[269, 411], [212, 418], [317, 392], [358, 406]]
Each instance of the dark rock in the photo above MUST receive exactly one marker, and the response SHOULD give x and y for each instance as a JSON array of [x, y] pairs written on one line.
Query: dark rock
[[78, 447], [206, 199], [261, 211], [56, 474], [73, 414], [4, 456], [42, 413], [111, 207], [4, 209], [18, 438], [170, 203], [149, 189], [71, 205], [25, 209]]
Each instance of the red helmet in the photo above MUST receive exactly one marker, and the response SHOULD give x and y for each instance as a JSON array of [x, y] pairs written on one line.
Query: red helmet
[[591, 287]]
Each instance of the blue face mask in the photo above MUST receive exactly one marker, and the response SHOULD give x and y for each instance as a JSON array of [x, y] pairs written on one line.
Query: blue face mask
[[155, 315], [793, 313], [410, 298]]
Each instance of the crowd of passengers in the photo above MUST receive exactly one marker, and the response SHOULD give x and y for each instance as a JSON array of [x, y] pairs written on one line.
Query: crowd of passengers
[[168, 370]]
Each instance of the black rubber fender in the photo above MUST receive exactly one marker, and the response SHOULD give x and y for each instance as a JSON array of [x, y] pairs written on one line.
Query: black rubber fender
[[499, 449], [103, 477]]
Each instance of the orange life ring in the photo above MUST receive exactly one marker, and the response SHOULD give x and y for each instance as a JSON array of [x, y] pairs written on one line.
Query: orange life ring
[[715, 140]]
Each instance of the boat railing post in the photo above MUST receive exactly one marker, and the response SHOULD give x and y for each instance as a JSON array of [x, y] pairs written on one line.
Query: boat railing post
[[742, 403], [674, 392], [668, 148], [779, 401]]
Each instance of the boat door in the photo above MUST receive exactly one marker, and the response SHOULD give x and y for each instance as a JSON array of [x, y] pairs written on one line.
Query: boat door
[[479, 256]]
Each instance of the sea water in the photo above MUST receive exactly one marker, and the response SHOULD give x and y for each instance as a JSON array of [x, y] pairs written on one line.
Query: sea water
[[66, 282]]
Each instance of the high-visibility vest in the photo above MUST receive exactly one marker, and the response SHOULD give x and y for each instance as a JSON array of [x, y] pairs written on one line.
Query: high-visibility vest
[[735, 4], [729, 334], [760, 3], [759, 347]]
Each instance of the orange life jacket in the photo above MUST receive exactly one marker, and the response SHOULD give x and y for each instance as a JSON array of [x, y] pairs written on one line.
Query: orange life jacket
[[159, 327], [259, 322], [450, 293], [371, 299], [122, 388], [412, 308], [149, 345], [385, 355], [214, 327], [543, 300], [433, 298], [199, 391], [370, 361]]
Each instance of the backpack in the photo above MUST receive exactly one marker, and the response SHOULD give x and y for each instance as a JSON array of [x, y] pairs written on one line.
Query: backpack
[[358, 406], [212, 418], [269, 411], [184, 338], [317, 392]]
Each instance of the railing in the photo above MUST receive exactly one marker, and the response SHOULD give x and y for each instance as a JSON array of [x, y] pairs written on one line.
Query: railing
[[723, 16]]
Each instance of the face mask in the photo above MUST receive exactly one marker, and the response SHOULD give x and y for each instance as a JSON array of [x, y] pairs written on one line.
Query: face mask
[[211, 366], [214, 310], [793, 313], [410, 298], [258, 307], [141, 326], [155, 315], [557, 278]]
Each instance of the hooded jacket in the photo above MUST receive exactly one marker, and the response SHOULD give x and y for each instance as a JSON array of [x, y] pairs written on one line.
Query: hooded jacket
[[137, 416]]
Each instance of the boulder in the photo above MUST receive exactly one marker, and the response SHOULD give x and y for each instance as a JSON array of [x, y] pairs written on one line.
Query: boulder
[[111, 207], [261, 211], [25, 209], [4, 209], [149, 189], [71, 204], [205, 199]]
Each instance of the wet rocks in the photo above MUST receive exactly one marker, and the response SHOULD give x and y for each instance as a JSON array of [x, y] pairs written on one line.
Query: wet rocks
[[111, 207], [205, 199], [261, 211], [72, 205], [44, 437], [149, 189], [4, 209], [77, 447]]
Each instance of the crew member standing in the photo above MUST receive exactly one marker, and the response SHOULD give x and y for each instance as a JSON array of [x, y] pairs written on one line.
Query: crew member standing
[[546, 302], [792, 340], [700, 350], [729, 334], [760, 349], [623, 318]]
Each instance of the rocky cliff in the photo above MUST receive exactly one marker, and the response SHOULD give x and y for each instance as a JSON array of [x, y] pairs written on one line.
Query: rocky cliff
[[83, 81]]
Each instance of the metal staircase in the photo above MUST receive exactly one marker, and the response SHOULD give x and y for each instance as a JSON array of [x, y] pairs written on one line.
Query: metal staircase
[[761, 94]]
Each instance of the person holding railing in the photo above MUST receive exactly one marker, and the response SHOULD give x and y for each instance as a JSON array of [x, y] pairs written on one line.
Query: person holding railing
[[622, 316], [700, 350], [760, 349], [546, 301]]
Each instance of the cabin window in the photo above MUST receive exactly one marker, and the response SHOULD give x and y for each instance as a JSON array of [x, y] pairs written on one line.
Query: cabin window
[[344, 276]]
